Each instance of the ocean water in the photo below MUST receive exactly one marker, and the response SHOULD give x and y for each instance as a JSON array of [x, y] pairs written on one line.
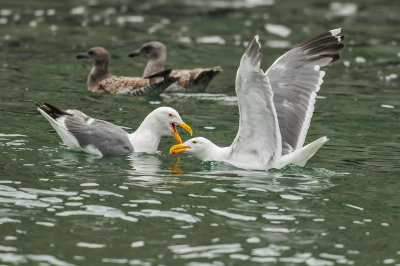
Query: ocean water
[[61, 207]]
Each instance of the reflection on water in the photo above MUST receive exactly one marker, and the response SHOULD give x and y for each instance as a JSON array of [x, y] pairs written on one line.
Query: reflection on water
[[144, 163], [221, 98]]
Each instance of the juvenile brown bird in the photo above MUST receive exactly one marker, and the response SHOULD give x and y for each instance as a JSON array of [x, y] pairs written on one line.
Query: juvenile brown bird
[[101, 81], [190, 80]]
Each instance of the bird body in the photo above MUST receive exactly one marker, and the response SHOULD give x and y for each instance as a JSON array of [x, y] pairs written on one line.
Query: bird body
[[190, 80], [101, 81], [275, 107], [81, 132]]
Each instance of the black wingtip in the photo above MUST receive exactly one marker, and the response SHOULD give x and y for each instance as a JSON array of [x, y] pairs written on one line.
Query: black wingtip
[[162, 74], [335, 57], [324, 45], [52, 110]]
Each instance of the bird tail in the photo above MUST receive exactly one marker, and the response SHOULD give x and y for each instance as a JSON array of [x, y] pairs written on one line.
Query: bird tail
[[202, 80], [156, 86], [51, 110], [308, 151]]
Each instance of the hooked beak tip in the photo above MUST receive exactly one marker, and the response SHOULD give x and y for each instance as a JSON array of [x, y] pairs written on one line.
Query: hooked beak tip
[[186, 127], [178, 148]]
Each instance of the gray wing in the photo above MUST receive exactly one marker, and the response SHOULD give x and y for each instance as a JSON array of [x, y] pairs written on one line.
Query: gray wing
[[295, 79], [258, 136], [108, 138]]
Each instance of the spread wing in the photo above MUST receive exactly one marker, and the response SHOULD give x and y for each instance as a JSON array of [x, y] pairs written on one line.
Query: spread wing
[[258, 136], [295, 79], [108, 138]]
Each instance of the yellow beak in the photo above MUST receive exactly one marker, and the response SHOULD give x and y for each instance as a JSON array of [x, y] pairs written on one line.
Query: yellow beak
[[176, 134], [178, 148]]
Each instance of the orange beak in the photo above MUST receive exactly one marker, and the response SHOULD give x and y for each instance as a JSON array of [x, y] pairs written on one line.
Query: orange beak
[[175, 132], [178, 148]]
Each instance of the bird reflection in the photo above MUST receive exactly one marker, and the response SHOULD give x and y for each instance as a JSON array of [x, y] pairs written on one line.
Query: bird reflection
[[144, 163], [175, 170]]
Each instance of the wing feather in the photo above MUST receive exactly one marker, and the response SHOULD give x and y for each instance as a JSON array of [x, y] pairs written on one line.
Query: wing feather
[[258, 137], [295, 79], [108, 138]]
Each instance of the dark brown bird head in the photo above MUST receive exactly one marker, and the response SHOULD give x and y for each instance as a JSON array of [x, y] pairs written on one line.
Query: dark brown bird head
[[98, 55], [151, 51]]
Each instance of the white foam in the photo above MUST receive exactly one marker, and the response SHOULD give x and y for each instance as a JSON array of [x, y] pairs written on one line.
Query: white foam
[[279, 30], [278, 217], [291, 197], [277, 44], [137, 244], [360, 60], [387, 106], [234, 215], [89, 245], [5, 12], [78, 10], [343, 9], [210, 39]]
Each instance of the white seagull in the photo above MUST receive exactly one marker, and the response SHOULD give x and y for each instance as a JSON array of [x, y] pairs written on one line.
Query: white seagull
[[84, 133], [275, 107]]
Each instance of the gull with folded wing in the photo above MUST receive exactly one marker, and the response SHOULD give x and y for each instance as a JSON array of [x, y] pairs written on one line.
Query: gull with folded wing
[[84, 133]]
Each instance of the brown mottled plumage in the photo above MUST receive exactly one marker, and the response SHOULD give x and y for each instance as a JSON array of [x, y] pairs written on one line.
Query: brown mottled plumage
[[190, 80], [101, 81]]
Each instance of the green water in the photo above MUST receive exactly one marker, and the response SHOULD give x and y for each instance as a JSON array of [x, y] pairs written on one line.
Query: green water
[[59, 207]]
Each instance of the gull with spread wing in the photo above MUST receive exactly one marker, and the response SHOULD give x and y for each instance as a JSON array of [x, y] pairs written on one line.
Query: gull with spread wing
[[275, 107], [83, 133]]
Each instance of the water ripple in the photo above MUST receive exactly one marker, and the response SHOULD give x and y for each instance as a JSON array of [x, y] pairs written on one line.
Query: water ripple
[[102, 192], [234, 215], [211, 251], [167, 214], [17, 259], [99, 210]]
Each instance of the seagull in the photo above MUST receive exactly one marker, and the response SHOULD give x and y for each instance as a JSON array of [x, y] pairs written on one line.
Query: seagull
[[190, 80], [98, 137], [275, 107], [101, 81]]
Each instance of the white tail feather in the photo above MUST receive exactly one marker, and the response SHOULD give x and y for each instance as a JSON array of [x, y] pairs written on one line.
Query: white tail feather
[[308, 151]]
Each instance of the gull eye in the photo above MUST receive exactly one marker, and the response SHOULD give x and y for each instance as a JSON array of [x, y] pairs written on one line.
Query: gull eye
[[170, 114], [91, 52], [194, 142], [146, 48]]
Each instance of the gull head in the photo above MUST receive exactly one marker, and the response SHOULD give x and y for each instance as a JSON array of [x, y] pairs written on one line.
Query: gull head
[[150, 51], [98, 55], [165, 120], [200, 147]]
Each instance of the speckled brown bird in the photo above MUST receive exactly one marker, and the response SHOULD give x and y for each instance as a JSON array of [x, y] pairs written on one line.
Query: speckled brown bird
[[101, 81], [191, 80]]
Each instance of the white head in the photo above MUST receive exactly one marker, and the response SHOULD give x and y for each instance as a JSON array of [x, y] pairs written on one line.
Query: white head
[[200, 147], [163, 121]]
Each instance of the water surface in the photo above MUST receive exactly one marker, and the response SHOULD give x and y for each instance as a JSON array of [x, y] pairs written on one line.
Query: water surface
[[60, 207]]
